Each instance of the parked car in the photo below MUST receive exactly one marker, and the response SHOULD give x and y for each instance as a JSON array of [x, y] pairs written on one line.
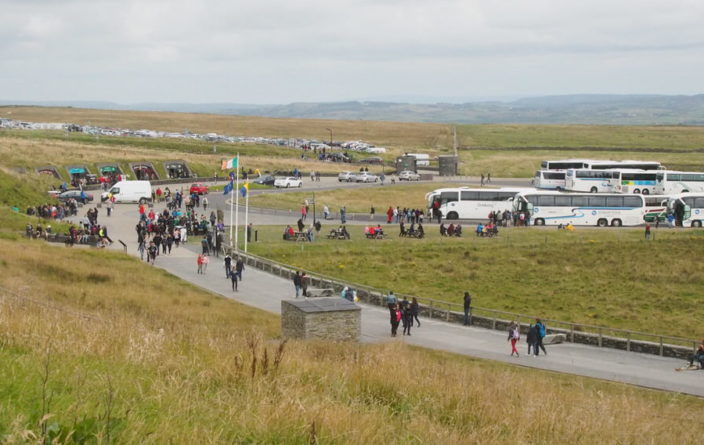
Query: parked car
[[265, 180], [74, 194], [198, 188], [365, 177], [375, 160], [287, 182], [345, 177], [408, 175]]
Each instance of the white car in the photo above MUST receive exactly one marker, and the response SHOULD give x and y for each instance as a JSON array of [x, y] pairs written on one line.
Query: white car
[[288, 182], [408, 175], [345, 177], [365, 177]]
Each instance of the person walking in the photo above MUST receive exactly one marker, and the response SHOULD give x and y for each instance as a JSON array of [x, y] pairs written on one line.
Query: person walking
[[389, 215], [205, 204], [304, 284], [343, 215], [391, 300], [228, 265], [467, 308], [233, 278], [541, 334], [199, 263], [297, 282], [326, 212], [514, 334], [647, 230], [414, 311], [406, 319], [239, 267], [152, 252], [141, 249], [371, 213], [395, 318], [532, 339]]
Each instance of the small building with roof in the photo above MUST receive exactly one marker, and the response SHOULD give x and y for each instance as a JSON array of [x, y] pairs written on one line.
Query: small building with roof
[[327, 318]]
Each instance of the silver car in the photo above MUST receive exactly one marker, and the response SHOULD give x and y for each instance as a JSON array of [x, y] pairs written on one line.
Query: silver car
[[408, 175], [345, 177], [365, 177]]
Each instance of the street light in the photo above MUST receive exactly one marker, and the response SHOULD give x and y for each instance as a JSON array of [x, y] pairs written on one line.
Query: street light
[[330, 136]]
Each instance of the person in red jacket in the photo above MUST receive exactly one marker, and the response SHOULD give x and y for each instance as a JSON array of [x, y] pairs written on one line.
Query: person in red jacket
[[389, 215]]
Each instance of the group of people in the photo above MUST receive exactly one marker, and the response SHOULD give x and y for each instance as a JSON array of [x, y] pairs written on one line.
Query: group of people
[[487, 230], [413, 231], [402, 312], [55, 210], [233, 270], [408, 215], [534, 338], [451, 230]]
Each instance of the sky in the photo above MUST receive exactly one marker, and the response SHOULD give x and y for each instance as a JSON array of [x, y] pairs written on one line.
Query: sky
[[267, 52]]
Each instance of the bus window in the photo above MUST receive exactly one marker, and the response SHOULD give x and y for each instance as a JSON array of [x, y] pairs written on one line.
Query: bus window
[[546, 201], [469, 196], [597, 201], [634, 201], [488, 196], [563, 201], [446, 197], [579, 201], [614, 201], [698, 203]]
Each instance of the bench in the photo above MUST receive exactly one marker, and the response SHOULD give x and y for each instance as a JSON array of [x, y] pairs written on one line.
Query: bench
[[336, 234], [374, 235], [298, 236]]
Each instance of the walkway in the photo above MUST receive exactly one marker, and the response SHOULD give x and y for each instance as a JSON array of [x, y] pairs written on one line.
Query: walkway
[[265, 291]]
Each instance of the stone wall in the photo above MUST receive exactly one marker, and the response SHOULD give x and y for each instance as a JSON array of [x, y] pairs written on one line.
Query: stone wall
[[330, 325]]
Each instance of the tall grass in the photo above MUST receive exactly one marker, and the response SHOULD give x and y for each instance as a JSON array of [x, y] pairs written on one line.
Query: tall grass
[[134, 355]]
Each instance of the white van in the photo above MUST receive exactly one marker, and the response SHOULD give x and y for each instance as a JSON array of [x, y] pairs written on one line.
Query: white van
[[130, 191]]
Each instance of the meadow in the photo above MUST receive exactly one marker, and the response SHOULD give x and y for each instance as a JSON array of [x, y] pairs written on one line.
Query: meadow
[[356, 200], [608, 278], [97, 347]]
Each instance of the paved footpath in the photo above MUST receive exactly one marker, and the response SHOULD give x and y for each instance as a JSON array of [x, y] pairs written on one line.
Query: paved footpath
[[265, 291]]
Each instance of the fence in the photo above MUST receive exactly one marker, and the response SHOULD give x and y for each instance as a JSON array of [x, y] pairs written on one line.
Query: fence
[[601, 336]]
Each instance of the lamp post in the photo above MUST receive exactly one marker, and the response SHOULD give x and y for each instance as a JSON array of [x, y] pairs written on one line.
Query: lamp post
[[313, 208], [330, 136]]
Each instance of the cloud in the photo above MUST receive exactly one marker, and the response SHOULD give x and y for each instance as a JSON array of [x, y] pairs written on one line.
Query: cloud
[[158, 50]]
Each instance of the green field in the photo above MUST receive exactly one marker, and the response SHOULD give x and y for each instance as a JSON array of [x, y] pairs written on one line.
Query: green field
[[357, 200], [599, 277]]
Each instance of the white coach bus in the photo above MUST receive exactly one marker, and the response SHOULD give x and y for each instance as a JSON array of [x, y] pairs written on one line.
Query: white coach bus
[[688, 209], [471, 203], [612, 181], [549, 179], [599, 164], [584, 209], [669, 182]]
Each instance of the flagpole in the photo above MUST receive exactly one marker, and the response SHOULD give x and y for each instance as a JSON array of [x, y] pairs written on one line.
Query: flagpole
[[237, 203], [246, 220], [230, 212]]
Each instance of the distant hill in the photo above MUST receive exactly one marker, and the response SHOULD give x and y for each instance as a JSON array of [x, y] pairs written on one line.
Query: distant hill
[[568, 109]]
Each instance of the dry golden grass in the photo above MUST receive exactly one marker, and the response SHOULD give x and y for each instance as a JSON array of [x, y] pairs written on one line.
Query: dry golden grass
[[131, 354], [393, 135]]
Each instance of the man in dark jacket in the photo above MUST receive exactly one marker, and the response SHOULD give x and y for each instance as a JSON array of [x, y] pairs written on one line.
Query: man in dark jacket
[[532, 339], [541, 334], [297, 283], [239, 267], [467, 308]]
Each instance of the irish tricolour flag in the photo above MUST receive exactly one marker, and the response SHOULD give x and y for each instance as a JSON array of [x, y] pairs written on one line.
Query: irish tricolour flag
[[229, 163]]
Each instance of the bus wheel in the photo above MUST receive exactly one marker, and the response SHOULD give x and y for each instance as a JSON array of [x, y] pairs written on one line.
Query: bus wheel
[[636, 191], [696, 223], [646, 191], [539, 222], [593, 190], [616, 223], [602, 223], [452, 215]]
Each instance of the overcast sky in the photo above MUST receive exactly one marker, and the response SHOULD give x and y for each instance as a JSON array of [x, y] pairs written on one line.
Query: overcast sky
[[268, 51]]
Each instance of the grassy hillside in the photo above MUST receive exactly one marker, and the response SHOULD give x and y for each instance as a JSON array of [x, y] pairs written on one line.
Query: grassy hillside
[[600, 277], [111, 350]]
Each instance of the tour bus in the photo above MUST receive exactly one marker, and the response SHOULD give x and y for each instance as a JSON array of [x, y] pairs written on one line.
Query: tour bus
[[549, 179], [688, 209], [670, 183], [585, 209], [611, 181], [422, 159], [656, 206], [597, 164], [472, 203]]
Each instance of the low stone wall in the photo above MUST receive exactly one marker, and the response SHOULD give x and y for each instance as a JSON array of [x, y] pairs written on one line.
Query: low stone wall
[[375, 297], [330, 325]]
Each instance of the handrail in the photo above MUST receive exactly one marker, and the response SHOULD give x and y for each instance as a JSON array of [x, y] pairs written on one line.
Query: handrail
[[571, 329]]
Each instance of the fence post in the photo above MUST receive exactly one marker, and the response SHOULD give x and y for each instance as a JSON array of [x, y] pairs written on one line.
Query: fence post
[[628, 342], [493, 323], [600, 338], [572, 333], [449, 308], [431, 309]]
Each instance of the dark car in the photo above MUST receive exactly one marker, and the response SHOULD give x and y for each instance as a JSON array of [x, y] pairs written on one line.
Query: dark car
[[74, 194], [265, 180], [373, 160]]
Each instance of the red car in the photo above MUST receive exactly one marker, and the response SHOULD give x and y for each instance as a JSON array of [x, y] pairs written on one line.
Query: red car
[[198, 188]]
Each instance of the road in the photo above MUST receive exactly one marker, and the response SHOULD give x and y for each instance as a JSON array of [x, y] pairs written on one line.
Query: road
[[265, 291]]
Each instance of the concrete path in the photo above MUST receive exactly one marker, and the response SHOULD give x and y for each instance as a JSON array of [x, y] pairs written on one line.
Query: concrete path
[[265, 291]]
